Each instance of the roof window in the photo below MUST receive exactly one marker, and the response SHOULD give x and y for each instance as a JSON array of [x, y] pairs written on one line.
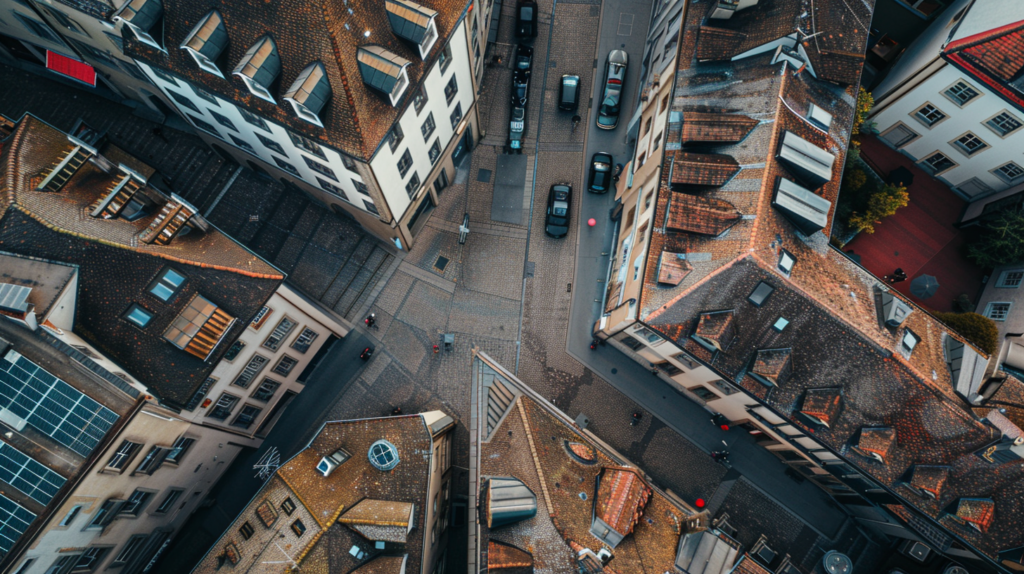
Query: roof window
[[199, 328], [206, 42], [780, 324], [331, 462], [760, 293], [413, 22], [259, 68], [141, 17], [819, 117], [786, 262], [309, 92], [909, 341], [894, 310], [384, 71], [808, 162], [14, 298], [804, 209], [383, 455]]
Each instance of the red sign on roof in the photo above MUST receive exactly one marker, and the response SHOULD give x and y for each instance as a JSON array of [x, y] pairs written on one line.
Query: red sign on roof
[[71, 68]]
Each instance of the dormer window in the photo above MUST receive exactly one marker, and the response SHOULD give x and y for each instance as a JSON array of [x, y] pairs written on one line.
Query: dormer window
[[141, 17], [259, 68], [309, 93], [331, 462], [414, 23], [384, 71], [206, 42]]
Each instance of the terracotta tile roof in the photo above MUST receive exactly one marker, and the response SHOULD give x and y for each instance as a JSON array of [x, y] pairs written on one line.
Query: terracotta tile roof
[[775, 365], [1001, 54], [380, 519], [621, 498], [703, 169], [876, 442], [384, 565], [718, 327], [928, 479], [507, 559], [702, 215], [714, 127], [977, 513], [718, 43], [672, 268], [822, 405], [747, 565]]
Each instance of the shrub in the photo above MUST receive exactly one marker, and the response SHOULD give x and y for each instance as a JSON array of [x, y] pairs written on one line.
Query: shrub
[[1001, 241], [881, 204], [978, 329], [864, 103]]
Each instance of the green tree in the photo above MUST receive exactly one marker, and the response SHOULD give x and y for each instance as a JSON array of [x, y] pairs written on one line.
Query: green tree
[[1001, 242], [865, 101], [978, 329], [883, 203]]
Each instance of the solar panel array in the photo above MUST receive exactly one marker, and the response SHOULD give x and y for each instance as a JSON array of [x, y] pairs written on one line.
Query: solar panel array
[[52, 406], [14, 521], [22, 472]]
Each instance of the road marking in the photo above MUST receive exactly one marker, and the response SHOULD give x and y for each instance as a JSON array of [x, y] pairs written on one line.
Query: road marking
[[625, 24]]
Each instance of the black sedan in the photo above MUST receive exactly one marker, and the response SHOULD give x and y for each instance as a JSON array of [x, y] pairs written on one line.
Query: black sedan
[[600, 173], [526, 19], [556, 223]]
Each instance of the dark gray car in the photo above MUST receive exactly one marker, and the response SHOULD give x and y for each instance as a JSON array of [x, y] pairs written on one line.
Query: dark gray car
[[569, 93], [611, 95]]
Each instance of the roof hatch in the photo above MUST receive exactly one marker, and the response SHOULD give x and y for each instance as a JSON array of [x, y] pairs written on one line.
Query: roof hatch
[[803, 208], [332, 461], [808, 162]]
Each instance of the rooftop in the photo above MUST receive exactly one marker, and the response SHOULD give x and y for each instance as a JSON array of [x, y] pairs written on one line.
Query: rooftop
[[986, 44], [46, 279]]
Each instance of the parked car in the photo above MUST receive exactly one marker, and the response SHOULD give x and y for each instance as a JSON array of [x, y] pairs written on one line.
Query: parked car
[[556, 223], [611, 96], [517, 129], [569, 93], [600, 173], [526, 19], [520, 89], [524, 60]]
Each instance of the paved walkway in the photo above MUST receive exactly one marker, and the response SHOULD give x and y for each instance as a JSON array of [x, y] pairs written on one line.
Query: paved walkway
[[921, 238]]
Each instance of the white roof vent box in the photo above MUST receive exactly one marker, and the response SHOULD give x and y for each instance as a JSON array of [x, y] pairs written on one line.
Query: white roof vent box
[[331, 462]]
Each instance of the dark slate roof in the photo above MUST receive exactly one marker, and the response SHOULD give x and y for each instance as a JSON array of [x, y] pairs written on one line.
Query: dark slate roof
[[356, 119], [116, 269]]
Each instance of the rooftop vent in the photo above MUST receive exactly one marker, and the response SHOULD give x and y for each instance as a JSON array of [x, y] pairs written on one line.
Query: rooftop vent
[[384, 71], [331, 462], [413, 22], [206, 42], [966, 368], [894, 310], [804, 209], [383, 455], [772, 367], [14, 298], [808, 162], [259, 68], [819, 117], [140, 17], [309, 92]]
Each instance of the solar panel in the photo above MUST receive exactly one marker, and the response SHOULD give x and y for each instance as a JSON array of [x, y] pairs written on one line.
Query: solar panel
[[22, 472], [52, 406], [14, 521]]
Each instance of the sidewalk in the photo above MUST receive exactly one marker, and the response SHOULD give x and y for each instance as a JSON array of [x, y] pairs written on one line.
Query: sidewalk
[[921, 238]]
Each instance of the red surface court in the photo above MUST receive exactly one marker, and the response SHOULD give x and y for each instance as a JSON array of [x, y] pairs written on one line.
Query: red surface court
[[921, 238]]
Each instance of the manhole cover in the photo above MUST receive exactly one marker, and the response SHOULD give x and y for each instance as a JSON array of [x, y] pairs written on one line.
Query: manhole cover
[[441, 264], [483, 176]]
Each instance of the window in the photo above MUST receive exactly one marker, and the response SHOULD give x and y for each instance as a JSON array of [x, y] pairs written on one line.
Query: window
[[909, 341], [271, 144], [246, 417], [939, 162], [632, 343], [254, 120], [669, 369], [275, 339], [241, 143], [657, 141], [255, 365], [178, 449], [38, 29], [760, 293], [123, 455], [232, 353], [456, 116], [63, 564], [129, 550], [420, 99], [320, 168], [167, 284], [298, 528], [395, 137], [288, 506], [184, 101], [786, 262], [285, 166], [152, 461], [370, 207], [361, 187], [451, 89], [138, 316], [225, 404], [1003, 124], [997, 311], [165, 76], [246, 530], [266, 390], [650, 335], [413, 186], [90, 559], [704, 393], [71, 515], [435, 151], [304, 340], [899, 135], [105, 514], [168, 501], [261, 318], [404, 163], [725, 387], [1010, 278], [136, 503], [647, 126], [307, 145], [285, 365], [331, 188], [64, 21], [445, 58], [780, 324], [970, 143], [349, 164], [925, 8], [1009, 171], [441, 182], [427, 129], [203, 125], [961, 93], [929, 115], [207, 96]]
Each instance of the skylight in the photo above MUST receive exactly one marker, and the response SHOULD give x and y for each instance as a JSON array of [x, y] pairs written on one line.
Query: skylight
[[786, 262], [780, 324], [910, 340], [760, 293], [383, 455]]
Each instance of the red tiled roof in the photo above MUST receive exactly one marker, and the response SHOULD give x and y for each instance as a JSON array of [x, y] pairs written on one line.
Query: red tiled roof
[[703, 169], [976, 512], [703, 215], [504, 556], [929, 478], [621, 498], [718, 43], [712, 127], [876, 441], [717, 327], [773, 364], [822, 405], [1002, 56], [672, 268]]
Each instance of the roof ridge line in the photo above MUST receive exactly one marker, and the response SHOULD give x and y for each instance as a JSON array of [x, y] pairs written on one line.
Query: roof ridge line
[[344, 80], [765, 183], [654, 314], [536, 459]]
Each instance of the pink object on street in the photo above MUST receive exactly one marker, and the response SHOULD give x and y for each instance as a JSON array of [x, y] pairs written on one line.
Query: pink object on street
[[591, 222], [700, 503]]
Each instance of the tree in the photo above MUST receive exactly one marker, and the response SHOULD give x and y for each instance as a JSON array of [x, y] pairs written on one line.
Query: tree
[[881, 204], [979, 330], [1001, 242], [865, 101]]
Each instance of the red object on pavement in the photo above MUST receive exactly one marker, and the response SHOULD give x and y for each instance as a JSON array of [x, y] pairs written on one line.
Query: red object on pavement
[[700, 503], [724, 427], [71, 68], [436, 349], [591, 222]]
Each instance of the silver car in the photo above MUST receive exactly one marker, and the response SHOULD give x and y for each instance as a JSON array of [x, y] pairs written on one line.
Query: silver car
[[614, 83]]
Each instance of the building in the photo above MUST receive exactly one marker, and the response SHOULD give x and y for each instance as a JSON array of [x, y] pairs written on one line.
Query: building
[[953, 101], [366, 496], [724, 280], [163, 298]]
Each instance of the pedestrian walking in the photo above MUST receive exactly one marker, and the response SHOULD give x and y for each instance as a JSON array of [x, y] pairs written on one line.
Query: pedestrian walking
[[897, 276]]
